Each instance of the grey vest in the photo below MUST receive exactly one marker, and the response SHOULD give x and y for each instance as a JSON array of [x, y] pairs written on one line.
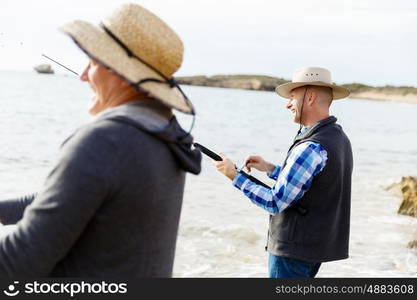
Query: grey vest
[[316, 229]]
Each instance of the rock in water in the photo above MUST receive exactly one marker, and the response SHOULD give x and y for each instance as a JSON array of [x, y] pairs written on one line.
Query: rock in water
[[409, 191], [44, 69]]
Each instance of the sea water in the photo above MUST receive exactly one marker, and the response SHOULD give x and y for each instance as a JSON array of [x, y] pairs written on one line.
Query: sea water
[[222, 234]]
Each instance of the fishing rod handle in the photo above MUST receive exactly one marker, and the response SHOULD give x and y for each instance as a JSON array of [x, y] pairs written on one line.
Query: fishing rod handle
[[218, 158], [255, 180], [208, 152]]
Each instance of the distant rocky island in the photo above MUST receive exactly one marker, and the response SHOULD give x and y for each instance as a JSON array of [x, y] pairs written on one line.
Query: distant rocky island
[[406, 94], [44, 69]]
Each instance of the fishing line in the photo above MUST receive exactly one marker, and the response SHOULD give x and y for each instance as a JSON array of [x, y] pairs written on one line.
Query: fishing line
[[60, 64]]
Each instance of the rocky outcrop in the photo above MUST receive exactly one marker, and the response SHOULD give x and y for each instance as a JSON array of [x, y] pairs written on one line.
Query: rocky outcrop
[[246, 82], [409, 193], [407, 190], [44, 69], [406, 94]]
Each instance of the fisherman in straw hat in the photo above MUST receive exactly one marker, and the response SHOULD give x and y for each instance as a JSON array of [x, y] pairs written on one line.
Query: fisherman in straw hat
[[111, 205], [309, 204]]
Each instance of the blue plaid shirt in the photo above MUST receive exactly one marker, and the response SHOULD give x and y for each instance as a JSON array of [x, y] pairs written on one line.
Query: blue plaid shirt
[[304, 162]]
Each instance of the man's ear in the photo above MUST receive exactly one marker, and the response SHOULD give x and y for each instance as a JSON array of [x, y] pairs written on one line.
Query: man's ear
[[312, 97]]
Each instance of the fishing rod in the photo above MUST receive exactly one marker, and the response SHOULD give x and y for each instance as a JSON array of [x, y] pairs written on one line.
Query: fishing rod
[[216, 157], [60, 64], [203, 149]]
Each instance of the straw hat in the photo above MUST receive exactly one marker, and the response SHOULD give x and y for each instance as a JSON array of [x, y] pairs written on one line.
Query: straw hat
[[139, 47], [312, 76]]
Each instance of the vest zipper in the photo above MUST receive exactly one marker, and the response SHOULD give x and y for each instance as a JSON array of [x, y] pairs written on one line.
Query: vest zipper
[[267, 237]]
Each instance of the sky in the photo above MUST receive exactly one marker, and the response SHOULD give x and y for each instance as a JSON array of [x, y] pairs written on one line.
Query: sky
[[368, 41]]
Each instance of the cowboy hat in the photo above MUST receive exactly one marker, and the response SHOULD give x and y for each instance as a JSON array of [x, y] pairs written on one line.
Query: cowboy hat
[[139, 47], [312, 76]]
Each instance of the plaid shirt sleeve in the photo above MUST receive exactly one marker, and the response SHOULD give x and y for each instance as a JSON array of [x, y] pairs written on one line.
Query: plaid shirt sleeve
[[275, 173], [304, 162]]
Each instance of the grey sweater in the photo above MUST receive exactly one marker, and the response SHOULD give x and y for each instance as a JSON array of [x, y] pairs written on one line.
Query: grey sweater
[[111, 205]]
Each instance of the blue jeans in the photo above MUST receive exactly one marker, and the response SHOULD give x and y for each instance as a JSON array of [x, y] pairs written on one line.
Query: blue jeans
[[285, 267]]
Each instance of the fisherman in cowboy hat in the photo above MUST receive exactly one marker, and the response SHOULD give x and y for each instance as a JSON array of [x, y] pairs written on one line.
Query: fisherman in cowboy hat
[[309, 204], [111, 205]]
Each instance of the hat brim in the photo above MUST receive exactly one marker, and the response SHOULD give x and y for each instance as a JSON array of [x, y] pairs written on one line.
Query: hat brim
[[99, 46], [284, 90]]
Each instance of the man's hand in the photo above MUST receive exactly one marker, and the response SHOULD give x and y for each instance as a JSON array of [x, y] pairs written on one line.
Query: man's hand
[[226, 166], [258, 163]]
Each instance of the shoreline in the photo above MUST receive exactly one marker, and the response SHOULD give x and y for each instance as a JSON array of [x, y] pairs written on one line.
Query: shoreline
[[396, 94], [385, 97], [400, 94]]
